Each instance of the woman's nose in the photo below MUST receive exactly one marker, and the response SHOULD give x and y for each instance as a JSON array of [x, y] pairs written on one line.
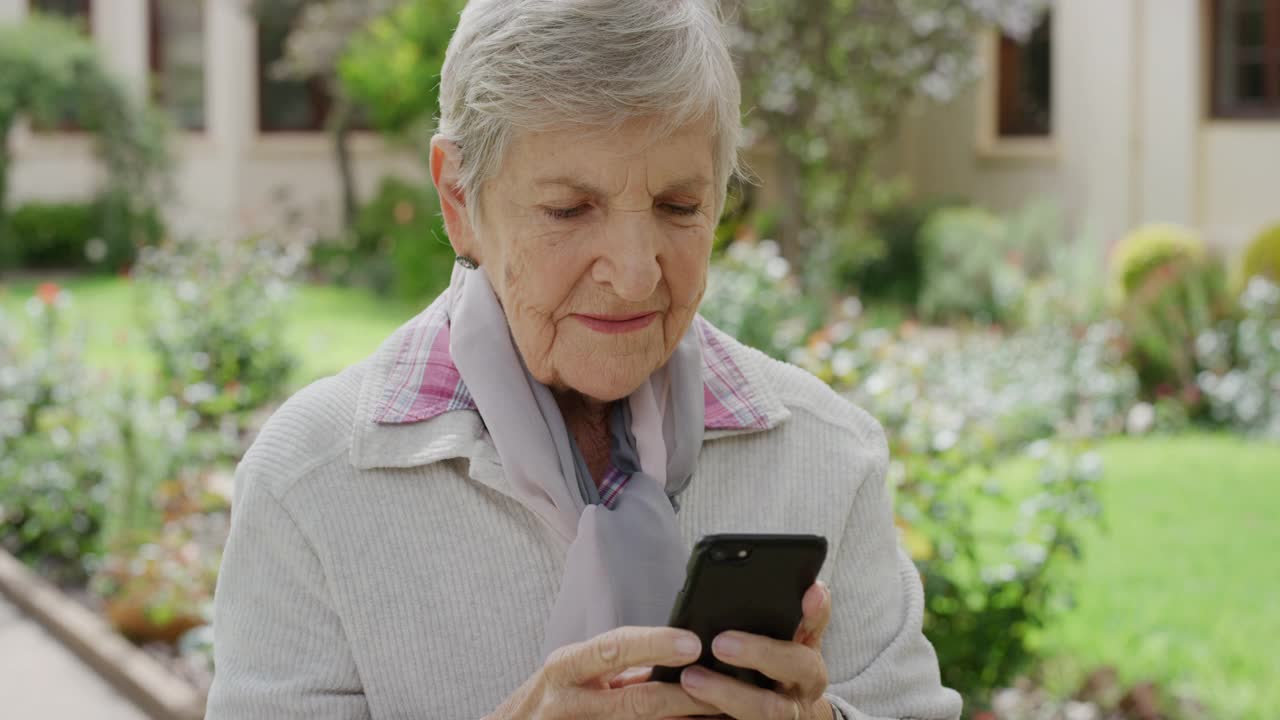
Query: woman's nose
[[628, 261]]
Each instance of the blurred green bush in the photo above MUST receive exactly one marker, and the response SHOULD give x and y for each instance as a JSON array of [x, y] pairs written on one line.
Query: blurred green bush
[[100, 235], [84, 463], [1261, 258], [752, 295], [398, 246], [1146, 249], [1242, 379], [964, 269], [896, 275], [956, 405], [1166, 313], [53, 492], [979, 266], [213, 315]]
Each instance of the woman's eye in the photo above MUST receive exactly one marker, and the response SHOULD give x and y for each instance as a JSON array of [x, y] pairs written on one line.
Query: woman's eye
[[681, 209], [566, 213]]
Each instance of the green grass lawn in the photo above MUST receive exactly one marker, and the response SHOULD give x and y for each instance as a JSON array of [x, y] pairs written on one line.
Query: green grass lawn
[[329, 327], [1182, 583]]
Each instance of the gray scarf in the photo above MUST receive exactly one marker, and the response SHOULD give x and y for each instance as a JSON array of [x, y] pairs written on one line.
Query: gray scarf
[[622, 566]]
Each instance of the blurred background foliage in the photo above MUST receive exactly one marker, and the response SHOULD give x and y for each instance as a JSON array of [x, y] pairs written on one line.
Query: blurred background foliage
[[1062, 407]]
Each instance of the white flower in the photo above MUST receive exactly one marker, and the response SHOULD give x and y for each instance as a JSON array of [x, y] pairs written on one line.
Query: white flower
[[777, 268], [944, 440], [96, 250], [843, 362], [1141, 419], [199, 392]]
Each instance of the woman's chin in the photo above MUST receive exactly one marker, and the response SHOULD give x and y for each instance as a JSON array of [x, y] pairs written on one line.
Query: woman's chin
[[604, 386]]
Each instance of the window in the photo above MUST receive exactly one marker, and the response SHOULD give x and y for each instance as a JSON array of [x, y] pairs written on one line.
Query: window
[[285, 104], [177, 60], [1024, 84], [1246, 58], [77, 10]]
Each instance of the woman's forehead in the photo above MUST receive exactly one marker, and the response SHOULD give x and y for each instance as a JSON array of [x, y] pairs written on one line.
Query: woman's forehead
[[609, 161]]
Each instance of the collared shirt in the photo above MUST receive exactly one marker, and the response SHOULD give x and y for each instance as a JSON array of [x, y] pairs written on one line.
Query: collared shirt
[[425, 383]]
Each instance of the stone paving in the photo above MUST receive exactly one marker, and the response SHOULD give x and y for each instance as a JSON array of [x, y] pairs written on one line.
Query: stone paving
[[42, 680]]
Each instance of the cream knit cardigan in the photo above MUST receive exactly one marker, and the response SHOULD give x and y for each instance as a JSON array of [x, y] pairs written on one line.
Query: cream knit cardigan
[[384, 571]]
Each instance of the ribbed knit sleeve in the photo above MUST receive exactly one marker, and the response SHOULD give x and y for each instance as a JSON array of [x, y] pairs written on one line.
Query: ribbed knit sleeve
[[882, 666], [281, 652]]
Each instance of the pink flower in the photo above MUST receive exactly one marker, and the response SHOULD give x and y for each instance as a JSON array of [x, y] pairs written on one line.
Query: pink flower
[[48, 292]]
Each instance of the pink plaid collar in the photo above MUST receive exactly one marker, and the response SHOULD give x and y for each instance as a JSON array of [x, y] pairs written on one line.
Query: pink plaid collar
[[424, 383]]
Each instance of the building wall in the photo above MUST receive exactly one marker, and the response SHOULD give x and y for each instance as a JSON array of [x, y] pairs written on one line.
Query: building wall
[[1240, 176], [229, 178], [1133, 141]]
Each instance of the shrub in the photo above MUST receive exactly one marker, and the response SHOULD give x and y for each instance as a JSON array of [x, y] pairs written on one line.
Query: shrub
[[752, 296], [79, 458], [896, 275], [965, 273], [1144, 250], [1261, 258], [102, 234], [988, 591], [397, 247], [214, 316], [1246, 395], [52, 234], [421, 256], [957, 408], [1071, 290], [52, 474], [1175, 304]]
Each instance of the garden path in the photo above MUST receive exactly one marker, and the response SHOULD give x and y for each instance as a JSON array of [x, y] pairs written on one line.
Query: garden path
[[42, 680]]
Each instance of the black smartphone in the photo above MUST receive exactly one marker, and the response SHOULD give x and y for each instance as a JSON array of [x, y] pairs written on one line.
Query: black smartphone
[[751, 583]]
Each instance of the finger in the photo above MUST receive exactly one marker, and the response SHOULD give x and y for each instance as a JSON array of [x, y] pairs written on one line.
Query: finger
[[610, 653], [792, 664], [631, 676], [645, 701], [734, 698], [817, 614]]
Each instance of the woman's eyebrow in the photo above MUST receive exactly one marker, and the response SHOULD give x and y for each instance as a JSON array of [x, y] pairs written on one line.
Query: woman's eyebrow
[[691, 183]]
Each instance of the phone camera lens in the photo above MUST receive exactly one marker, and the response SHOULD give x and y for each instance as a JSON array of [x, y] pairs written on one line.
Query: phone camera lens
[[718, 555]]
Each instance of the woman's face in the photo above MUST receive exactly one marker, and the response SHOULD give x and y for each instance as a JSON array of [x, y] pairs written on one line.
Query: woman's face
[[597, 248]]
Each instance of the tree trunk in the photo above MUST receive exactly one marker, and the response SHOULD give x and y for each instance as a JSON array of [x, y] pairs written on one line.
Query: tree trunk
[[340, 128], [8, 249], [791, 220], [5, 125]]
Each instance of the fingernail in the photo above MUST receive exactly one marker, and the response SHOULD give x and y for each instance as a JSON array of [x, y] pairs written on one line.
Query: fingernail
[[689, 646], [727, 646], [694, 677]]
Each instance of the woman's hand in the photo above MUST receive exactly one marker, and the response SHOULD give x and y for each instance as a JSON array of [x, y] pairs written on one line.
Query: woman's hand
[[797, 667], [578, 681]]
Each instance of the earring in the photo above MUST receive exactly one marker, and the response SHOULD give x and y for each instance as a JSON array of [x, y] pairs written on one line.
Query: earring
[[467, 262]]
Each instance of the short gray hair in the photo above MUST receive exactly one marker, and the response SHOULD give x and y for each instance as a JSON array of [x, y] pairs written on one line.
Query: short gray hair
[[530, 65]]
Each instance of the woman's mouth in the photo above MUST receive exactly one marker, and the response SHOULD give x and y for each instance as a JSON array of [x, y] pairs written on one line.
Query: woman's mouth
[[616, 324]]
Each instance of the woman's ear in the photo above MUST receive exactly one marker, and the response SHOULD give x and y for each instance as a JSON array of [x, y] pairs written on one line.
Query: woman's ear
[[446, 174]]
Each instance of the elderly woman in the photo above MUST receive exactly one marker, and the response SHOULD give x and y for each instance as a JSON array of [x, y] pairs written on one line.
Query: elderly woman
[[490, 516]]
